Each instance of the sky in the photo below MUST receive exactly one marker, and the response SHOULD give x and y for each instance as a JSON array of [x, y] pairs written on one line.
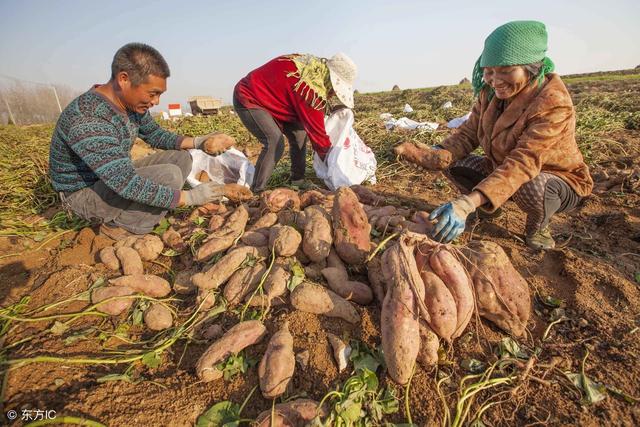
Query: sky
[[211, 45]]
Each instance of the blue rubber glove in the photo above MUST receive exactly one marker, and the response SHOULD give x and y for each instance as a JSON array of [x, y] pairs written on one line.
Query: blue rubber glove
[[451, 218]]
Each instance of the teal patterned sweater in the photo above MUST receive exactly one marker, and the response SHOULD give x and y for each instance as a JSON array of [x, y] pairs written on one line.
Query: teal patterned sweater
[[92, 141]]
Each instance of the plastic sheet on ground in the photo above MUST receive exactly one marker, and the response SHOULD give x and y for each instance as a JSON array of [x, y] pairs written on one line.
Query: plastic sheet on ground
[[407, 108], [458, 121], [407, 123]]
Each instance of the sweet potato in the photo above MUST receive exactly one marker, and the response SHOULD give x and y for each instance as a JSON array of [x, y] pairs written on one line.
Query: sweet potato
[[221, 239], [237, 193], [314, 270], [278, 363], [158, 317], [279, 199], [254, 238], [455, 277], [147, 284], [275, 287], [220, 272], [333, 260], [317, 299], [296, 413], [206, 210], [182, 283], [130, 260], [173, 239], [109, 259], [149, 247], [233, 341], [312, 197], [424, 156], [288, 217], [366, 196], [215, 222], [212, 332], [126, 243], [265, 221], [438, 299], [429, 345], [242, 283], [206, 299], [116, 306], [502, 294], [380, 211], [284, 240], [350, 290], [387, 222], [341, 351], [376, 279], [351, 228], [399, 319], [317, 239]]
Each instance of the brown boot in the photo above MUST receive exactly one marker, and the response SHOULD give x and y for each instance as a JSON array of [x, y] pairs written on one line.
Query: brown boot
[[541, 240], [115, 233]]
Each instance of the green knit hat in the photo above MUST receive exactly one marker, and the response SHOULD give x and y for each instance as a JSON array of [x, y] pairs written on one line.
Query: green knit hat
[[514, 43]]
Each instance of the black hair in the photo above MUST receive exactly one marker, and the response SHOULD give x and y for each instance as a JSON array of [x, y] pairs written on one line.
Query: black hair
[[139, 60]]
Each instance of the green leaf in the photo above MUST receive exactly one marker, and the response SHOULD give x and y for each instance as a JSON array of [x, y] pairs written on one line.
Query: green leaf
[[234, 365], [151, 359], [363, 357], [637, 277], [161, 227], [199, 221], [351, 412], [592, 392], [473, 366], [509, 347], [115, 377], [551, 302], [58, 328], [171, 253], [297, 275], [222, 414]]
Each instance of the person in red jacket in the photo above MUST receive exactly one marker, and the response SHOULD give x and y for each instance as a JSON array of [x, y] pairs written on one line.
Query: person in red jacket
[[288, 96]]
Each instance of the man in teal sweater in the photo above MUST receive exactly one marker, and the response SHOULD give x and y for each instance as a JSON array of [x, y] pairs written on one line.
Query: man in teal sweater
[[90, 163]]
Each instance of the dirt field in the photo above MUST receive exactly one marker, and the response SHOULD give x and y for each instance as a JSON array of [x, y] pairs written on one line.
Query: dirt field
[[586, 296]]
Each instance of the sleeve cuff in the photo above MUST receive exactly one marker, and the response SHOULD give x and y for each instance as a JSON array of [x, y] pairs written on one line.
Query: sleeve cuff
[[175, 200]]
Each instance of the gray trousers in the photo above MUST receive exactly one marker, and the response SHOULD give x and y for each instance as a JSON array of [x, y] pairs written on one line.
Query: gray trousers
[[540, 198], [260, 123], [100, 204]]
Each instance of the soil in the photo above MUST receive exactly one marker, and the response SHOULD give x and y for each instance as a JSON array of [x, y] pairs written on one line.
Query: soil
[[592, 272]]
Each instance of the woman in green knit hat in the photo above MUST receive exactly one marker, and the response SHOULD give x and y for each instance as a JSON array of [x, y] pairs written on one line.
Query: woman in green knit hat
[[524, 121]]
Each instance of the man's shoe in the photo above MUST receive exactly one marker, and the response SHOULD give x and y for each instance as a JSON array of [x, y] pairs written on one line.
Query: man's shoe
[[116, 233], [541, 240]]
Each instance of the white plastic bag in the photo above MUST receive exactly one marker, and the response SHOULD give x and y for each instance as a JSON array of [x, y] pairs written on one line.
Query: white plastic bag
[[230, 167], [458, 121], [350, 161]]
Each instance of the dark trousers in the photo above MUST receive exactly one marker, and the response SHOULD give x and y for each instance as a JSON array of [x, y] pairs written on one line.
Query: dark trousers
[[100, 204], [260, 123], [540, 198]]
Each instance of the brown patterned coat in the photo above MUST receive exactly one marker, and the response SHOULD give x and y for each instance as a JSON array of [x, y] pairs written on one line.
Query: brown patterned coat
[[535, 133]]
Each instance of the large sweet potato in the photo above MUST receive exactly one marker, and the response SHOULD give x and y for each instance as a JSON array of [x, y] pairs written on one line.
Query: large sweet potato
[[254, 238], [279, 199], [351, 228], [320, 300], [455, 277], [275, 287], [400, 316], [366, 196], [265, 221], [242, 283], [277, 365], [502, 294], [109, 259], [296, 413], [224, 268], [350, 290], [147, 284], [284, 240], [317, 239], [376, 279], [424, 156], [443, 317], [233, 341], [429, 345], [174, 240], [312, 197], [129, 260], [222, 239], [115, 306], [149, 247]]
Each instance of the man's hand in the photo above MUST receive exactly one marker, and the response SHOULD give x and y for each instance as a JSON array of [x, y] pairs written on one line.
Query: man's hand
[[214, 143], [203, 193], [237, 192], [451, 218]]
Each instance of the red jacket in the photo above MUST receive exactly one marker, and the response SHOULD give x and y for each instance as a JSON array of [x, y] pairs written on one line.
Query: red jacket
[[269, 88]]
